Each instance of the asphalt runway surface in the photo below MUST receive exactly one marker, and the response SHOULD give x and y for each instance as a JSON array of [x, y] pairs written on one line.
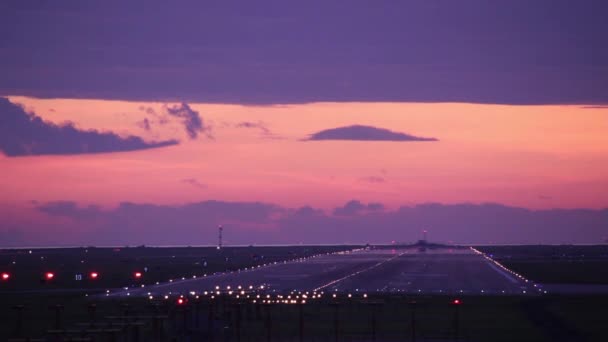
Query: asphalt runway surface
[[405, 270]]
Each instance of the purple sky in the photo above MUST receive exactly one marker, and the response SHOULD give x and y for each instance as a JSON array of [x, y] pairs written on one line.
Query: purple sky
[[311, 122], [512, 52]]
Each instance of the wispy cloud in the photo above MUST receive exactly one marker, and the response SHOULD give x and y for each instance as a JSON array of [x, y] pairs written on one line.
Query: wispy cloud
[[191, 119], [259, 125], [596, 107], [147, 110], [373, 179], [265, 132], [144, 124], [195, 183]]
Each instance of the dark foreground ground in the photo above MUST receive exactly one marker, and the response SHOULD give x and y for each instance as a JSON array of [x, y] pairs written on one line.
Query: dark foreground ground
[[387, 317], [68, 309]]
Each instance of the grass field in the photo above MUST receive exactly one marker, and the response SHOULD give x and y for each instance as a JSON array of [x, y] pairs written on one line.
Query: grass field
[[116, 267], [555, 264]]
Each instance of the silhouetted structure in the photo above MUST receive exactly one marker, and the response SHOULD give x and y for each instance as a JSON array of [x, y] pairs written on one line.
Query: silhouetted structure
[[220, 229]]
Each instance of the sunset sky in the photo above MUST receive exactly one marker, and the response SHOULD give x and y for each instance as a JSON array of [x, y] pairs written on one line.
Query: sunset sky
[[303, 124]]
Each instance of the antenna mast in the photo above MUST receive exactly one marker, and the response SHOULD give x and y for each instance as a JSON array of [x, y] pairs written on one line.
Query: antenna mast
[[220, 229]]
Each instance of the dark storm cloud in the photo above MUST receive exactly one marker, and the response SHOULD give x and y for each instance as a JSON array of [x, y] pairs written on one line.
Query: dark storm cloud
[[24, 133], [71, 209], [307, 211], [191, 119], [350, 208], [364, 133], [192, 212], [194, 223], [355, 207], [354, 222], [512, 52], [457, 223], [374, 206]]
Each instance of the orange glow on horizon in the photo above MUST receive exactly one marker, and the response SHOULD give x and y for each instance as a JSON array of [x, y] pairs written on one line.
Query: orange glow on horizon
[[529, 156]]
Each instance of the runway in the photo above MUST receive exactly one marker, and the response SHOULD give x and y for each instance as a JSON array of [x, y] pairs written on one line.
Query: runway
[[404, 270]]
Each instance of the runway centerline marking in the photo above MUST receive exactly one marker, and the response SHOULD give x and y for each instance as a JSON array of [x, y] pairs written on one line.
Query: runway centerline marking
[[333, 282]]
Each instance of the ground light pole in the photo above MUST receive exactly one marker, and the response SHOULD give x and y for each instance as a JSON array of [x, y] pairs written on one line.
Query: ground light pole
[[210, 320], [336, 307], [237, 326], [456, 304], [19, 321], [301, 320], [267, 306], [184, 309], [58, 321], [413, 319], [91, 308], [374, 305], [220, 229], [156, 322], [197, 307]]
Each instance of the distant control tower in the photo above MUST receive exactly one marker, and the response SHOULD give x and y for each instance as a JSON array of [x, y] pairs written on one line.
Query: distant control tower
[[220, 229]]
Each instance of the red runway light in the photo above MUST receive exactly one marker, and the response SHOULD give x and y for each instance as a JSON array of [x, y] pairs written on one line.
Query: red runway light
[[180, 301], [94, 275], [49, 275], [456, 301], [5, 276], [137, 275]]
